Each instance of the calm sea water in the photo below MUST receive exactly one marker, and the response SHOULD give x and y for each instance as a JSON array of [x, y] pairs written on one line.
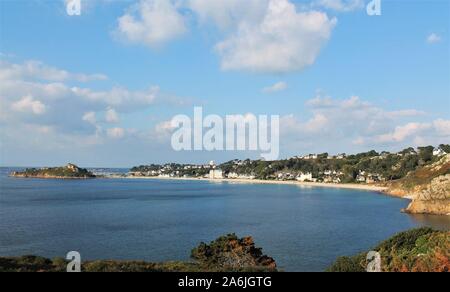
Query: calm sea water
[[304, 229]]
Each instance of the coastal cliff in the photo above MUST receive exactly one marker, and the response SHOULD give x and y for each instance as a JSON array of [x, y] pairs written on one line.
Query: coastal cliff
[[70, 171], [435, 199], [427, 187]]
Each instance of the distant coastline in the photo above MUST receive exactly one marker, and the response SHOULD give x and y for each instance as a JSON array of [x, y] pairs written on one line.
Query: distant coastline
[[422, 176], [366, 187]]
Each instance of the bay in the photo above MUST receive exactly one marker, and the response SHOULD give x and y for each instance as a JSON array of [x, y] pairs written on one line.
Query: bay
[[303, 228]]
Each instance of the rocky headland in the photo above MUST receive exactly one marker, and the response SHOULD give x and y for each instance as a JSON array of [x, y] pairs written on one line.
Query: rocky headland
[[427, 187]]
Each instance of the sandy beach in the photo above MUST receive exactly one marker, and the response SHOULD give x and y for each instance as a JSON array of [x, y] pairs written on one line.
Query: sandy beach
[[365, 187]]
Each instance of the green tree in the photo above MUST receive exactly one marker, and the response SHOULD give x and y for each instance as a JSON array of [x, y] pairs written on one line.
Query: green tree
[[426, 154], [445, 147]]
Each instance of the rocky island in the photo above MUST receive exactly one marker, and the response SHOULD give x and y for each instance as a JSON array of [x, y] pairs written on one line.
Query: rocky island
[[70, 171]]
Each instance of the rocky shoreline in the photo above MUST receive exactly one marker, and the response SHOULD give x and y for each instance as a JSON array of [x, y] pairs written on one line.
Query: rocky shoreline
[[428, 188]]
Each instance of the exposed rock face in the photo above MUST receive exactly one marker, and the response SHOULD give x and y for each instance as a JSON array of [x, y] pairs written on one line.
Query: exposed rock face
[[439, 189], [428, 188], [435, 199]]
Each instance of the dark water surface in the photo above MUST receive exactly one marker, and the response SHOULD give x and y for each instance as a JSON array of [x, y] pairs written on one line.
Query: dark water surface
[[304, 229]]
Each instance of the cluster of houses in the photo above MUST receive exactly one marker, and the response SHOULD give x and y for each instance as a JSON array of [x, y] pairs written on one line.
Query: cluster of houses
[[439, 152], [216, 173], [328, 176], [369, 178], [212, 171], [315, 156]]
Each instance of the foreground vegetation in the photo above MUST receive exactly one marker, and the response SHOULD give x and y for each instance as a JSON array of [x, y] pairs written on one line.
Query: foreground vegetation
[[226, 254], [417, 250]]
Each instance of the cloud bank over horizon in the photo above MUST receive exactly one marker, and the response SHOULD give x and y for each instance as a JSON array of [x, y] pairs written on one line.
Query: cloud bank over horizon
[[101, 91], [47, 116]]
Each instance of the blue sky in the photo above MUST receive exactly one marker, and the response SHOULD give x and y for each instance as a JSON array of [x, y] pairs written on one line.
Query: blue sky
[[350, 82]]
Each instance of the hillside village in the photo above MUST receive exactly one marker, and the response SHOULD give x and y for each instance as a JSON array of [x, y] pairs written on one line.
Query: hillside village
[[370, 167]]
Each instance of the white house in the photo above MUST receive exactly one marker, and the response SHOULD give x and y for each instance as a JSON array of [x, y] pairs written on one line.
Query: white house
[[233, 175], [309, 156], [438, 152], [216, 174], [361, 178], [305, 177]]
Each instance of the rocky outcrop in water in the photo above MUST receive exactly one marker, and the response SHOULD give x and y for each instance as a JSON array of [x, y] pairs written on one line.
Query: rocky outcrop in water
[[70, 171]]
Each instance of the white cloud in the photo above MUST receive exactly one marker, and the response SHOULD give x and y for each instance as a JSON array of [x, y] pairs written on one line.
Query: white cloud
[[320, 102], [69, 111], [402, 132], [229, 13], [111, 116], [29, 105], [406, 113], [165, 127], [356, 122], [442, 127], [277, 87], [116, 133], [286, 40], [340, 5], [118, 97], [267, 36], [90, 117], [417, 134], [152, 22], [162, 131], [35, 70], [290, 124], [434, 38]]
